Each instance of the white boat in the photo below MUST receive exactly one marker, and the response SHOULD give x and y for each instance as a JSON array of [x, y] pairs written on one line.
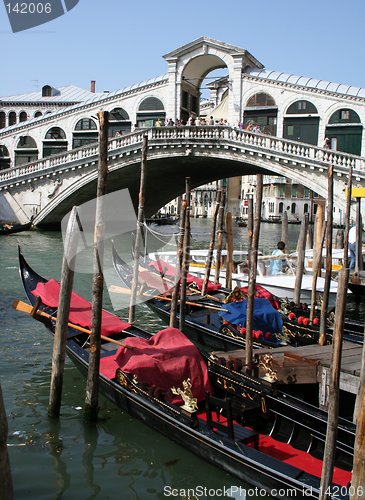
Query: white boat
[[337, 258], [281, 284]]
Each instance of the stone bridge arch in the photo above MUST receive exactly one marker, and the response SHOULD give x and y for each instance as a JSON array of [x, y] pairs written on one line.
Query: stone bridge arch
[[175, 154], [48, 188]]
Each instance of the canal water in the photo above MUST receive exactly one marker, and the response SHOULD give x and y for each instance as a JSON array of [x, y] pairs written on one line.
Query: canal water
[[119, 458]]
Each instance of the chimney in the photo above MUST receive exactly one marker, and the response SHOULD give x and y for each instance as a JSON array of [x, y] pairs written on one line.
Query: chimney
[[92, 86]]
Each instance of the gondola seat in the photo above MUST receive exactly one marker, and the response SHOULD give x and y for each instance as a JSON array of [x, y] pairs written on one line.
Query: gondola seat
[[219, 418]]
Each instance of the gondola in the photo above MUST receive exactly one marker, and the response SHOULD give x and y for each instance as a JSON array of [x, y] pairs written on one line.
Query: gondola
[[206, 327], [203, 323], [205, 424], [14, 228]]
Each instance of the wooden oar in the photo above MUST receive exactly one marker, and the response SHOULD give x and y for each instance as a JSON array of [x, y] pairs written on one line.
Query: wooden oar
[[28, 309], [119, 289]]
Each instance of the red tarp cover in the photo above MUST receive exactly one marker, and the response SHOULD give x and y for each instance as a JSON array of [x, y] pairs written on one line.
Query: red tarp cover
[[169, 270], [261, 292], [80, 309], [164, 361]]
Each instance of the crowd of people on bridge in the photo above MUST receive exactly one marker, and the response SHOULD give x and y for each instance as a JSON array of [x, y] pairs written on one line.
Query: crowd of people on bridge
[[202, 121]]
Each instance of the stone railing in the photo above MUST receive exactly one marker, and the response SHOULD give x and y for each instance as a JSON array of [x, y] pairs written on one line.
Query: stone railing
[[295, 152]]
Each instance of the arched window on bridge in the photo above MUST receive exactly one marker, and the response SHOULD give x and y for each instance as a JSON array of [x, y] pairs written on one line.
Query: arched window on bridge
[[150, 110], [119, 122], [2, 119], [26, 150], [303, 127], [23, 116], [262, 111], [4, 158], [12, 118], [37, 114], [345, 131], [55, 142], [86, 132]]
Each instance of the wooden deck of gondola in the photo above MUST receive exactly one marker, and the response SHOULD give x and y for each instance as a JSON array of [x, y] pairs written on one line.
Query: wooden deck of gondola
[[350, 363]]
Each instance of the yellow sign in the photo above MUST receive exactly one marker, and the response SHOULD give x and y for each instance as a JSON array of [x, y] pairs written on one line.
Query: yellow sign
[[357, 192]]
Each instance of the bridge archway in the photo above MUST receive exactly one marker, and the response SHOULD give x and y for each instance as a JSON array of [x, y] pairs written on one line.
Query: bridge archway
[[119, 122], [301, 122], [26, 150], [4, 158], [344, 129], [189, 64], [192, 77], [150, 110], [54, 142], [85, 132], [261, 110]]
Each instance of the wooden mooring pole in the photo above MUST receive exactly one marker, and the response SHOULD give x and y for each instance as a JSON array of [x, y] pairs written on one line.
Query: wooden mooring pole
[[334, 386], [220, 236], [179, 256], [229, 246], [358, 470], [359, 260], [6, 483], [249, 226], [208, 265], [59, 341], [284, 227], [185, 258], [92, 383], [347, 220], [252, 273], [139, 235], [317, 261], [328, 275], [300, 262]]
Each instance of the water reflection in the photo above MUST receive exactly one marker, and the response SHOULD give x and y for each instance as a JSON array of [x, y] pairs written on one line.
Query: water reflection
[[55, 447], [91, 435]]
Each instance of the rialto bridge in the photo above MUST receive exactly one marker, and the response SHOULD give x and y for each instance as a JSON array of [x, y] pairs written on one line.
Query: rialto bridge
[[47, 189], [48, 139]]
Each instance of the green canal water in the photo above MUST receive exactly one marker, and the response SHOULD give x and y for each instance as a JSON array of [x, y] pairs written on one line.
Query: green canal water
[[119, 458]]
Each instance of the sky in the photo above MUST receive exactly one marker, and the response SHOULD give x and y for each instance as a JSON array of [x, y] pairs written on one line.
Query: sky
[[119, 43]]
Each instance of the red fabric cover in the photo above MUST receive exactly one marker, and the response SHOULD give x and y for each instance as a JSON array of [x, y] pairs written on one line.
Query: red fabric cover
[[168, 270], [261, 292], [300, 459], [80, 309], [164, 361]]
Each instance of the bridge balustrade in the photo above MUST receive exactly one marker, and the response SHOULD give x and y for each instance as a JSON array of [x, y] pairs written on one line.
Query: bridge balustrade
[[212, 135]]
